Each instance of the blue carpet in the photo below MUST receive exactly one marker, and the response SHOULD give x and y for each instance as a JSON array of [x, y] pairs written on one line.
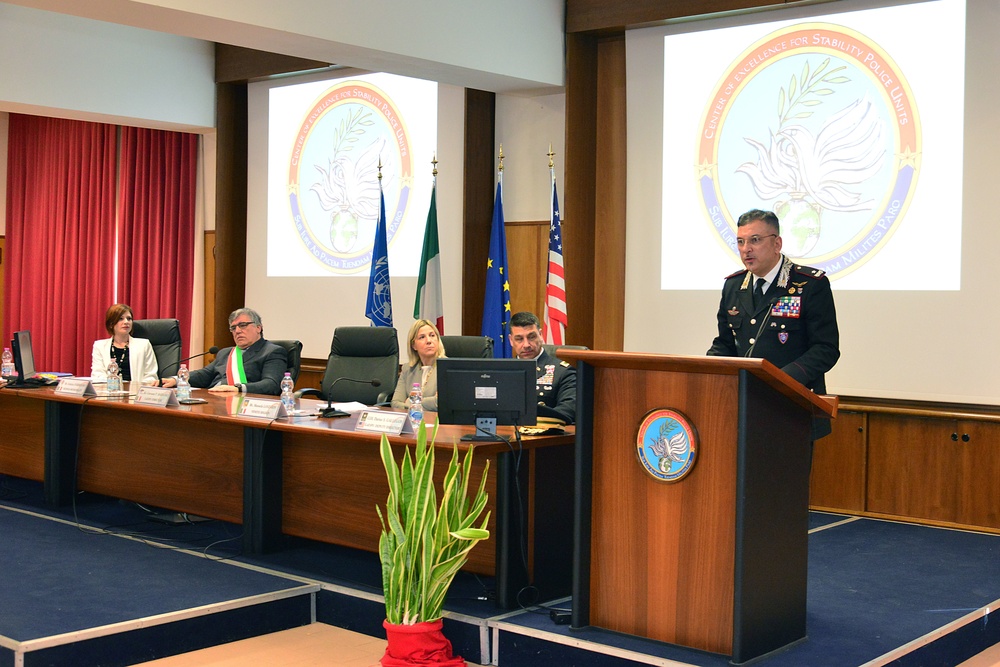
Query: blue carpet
[[873, 586], [58, 578]]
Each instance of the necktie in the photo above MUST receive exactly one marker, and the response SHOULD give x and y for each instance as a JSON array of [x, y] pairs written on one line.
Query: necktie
[[758, 292]]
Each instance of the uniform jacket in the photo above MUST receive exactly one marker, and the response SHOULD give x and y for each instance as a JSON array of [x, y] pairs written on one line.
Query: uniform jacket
[[556, 386], [794, 327]]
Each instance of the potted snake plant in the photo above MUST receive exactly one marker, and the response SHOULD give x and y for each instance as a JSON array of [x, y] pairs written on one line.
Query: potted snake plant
[[424, 543]]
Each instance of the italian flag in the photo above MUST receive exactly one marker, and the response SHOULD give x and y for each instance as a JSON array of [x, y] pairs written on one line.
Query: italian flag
[[428, 304]]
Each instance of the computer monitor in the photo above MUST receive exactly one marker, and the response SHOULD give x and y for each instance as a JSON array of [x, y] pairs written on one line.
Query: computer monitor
[[486, 393], [24, 359]]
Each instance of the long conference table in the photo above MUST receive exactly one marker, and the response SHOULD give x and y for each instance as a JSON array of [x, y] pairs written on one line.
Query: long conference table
[[301, 476]]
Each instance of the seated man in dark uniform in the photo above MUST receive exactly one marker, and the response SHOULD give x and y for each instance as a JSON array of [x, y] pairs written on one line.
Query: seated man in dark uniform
[[254, 365], [556, 383]]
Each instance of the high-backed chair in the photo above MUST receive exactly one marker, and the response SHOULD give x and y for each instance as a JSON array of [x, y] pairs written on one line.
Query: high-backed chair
[[457, 347], [363, 354], [294, 350], [165, 337]]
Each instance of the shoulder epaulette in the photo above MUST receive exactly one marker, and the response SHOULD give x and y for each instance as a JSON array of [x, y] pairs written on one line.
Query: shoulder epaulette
[[564, 363], [809, 271], [736, 273]]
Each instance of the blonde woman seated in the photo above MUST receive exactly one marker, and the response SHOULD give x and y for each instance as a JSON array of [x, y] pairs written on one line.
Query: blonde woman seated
[[425, 349], [134, 356]]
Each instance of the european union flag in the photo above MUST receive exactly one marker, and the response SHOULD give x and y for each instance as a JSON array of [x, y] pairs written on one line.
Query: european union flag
[[379, 307], [496, 306]]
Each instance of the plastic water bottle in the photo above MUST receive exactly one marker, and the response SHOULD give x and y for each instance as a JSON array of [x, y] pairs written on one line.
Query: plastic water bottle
[[183, 383], [8, 364], [416, 406], [287, 395], [114, 379]]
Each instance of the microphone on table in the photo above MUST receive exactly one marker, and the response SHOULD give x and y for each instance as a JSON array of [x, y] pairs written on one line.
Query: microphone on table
[[331, 411], [211, 350]]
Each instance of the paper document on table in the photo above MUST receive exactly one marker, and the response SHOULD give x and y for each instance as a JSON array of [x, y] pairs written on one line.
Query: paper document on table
[[350, 407]]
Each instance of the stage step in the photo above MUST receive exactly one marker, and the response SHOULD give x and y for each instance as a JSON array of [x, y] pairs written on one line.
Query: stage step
[[315, 644]]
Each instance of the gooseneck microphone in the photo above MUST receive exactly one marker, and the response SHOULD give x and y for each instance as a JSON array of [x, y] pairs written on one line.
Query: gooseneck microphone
[[211, 350], [331, 411]]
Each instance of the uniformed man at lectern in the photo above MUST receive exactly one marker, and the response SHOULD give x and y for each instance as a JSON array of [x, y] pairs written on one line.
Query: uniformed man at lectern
[[778, 310]]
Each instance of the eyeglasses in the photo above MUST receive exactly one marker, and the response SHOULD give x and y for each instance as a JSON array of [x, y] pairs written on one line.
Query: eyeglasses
[[239, 325], [753, 241]]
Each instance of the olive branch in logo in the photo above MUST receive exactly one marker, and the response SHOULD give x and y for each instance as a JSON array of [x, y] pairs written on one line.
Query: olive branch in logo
[[806, 170], [351, 128], [805, 95]]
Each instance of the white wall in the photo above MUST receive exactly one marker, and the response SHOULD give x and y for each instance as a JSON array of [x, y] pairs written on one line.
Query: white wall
[[496, 46], [67, 67], [526, 126]]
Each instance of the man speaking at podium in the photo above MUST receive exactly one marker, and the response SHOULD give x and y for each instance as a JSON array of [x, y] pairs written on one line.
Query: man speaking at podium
[[778, 310], [254, 365]]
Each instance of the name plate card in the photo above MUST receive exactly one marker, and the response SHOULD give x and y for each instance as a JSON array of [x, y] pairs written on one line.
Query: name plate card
[[160, 396], [76, 387], [263, 408], [381, 422]]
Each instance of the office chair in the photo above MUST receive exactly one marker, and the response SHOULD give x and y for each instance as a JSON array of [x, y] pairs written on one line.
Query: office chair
[[165, 337], [458, 347], [363, 354], [294, 350]]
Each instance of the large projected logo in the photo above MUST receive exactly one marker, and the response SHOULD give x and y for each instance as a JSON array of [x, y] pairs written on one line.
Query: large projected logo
[[350, 129], [816, 123]]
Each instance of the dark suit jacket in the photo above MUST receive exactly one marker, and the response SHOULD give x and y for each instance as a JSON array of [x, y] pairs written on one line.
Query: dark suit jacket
[[794, 327], [263, 362]]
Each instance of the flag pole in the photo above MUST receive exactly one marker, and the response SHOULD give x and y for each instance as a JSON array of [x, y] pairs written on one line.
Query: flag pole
[[496, 304], [428, 303], [554, 322]]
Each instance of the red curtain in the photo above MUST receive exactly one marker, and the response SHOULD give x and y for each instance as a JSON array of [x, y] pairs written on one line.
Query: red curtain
[[60, 236], [156, 207]]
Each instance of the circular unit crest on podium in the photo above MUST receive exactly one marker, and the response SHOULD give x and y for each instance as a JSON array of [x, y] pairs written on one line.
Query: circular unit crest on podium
[[666, 444]]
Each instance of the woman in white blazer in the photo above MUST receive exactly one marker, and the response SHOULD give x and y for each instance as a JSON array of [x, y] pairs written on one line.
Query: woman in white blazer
[[134, 356]]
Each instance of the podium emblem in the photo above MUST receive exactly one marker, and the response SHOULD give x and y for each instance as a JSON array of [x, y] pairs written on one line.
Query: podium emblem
[[666, 444]]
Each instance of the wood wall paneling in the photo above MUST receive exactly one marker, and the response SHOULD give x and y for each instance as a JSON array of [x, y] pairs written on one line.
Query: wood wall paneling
[[209, 330], [915, 469], [230, 206], [604, 16], [840, 465], [608, 261], [979, 490], [477, 206], [236, 64], [528, 255], [579, 211]]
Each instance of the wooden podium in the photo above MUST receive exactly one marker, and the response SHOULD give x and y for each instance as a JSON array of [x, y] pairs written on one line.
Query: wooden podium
[[716, 560]]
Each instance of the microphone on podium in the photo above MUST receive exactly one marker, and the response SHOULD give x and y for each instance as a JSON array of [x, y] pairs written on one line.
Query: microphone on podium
[[331, 411], [211, 350]]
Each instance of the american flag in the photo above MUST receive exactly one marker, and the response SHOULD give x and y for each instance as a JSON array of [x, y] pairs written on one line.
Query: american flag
[[555, 321]]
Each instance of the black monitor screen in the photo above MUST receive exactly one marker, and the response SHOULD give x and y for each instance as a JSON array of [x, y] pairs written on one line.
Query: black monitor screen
[[24, 360], [471, 390]]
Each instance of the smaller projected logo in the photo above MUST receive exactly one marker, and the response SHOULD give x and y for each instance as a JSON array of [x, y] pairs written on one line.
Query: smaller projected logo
[[817, 123], [666, 445], [333, 187]]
